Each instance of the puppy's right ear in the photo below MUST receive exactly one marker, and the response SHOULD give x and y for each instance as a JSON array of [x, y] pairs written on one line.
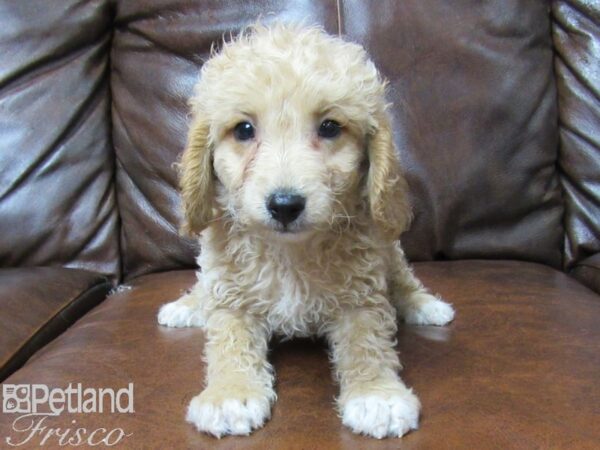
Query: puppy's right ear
[[196, 178], [387, 187]]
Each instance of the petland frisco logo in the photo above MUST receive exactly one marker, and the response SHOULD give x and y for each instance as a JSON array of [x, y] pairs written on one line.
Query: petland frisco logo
[[37, 404]]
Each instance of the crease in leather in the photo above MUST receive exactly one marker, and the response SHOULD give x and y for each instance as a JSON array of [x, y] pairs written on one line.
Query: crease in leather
[[46, 65], [588, 276], [164, 48], [587, 272], [53, 88], [71, 126], [67, 314], [112, 188], [42, 68], [148, 14], [148, 204]]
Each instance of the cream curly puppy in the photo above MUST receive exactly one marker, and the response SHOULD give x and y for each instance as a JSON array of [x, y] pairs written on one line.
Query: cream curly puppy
[[291, 175]]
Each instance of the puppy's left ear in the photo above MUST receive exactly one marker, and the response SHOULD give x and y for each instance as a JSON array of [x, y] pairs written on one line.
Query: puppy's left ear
[[387, 188]]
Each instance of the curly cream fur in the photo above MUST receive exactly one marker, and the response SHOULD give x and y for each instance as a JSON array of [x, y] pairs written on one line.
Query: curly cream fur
[[340, 274]]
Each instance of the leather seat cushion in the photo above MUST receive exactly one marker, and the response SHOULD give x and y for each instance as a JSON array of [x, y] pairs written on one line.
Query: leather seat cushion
[[519, 367], [39, 303]]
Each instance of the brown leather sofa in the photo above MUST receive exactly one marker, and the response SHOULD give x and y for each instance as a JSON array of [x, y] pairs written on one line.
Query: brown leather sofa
[[497, 115]]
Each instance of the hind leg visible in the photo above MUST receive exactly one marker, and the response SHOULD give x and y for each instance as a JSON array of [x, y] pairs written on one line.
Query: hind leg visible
[[411, 299]]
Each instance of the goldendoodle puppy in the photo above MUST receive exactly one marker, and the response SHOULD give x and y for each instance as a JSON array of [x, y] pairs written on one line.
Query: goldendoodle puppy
[[291, 175]]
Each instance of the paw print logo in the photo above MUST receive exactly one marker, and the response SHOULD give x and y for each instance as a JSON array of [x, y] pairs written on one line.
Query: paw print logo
[[16, 398]]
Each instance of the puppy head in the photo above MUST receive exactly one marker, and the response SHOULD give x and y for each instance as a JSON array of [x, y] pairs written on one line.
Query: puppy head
[[290, 136]]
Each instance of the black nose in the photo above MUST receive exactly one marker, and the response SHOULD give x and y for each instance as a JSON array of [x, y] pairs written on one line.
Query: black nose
[[285, 207]]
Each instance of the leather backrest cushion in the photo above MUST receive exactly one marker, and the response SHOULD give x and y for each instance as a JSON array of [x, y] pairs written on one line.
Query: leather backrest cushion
[[57, 202], [474, 111], [476, 116], [576, 31]]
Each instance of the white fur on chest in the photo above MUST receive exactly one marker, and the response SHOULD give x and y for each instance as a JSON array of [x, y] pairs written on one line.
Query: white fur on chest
[[295, 308], [292, 300], [290, 296], [297, 290]]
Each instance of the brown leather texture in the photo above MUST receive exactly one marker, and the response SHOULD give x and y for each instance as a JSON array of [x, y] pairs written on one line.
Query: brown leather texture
[[518, 368], [588, 272], [57, 202], [479, 154], [39, 303], [576, 34], [475, 113], [497, 117]]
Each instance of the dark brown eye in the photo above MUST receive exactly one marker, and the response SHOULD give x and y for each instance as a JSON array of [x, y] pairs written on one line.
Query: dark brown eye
[[243, 131], [329, 129]]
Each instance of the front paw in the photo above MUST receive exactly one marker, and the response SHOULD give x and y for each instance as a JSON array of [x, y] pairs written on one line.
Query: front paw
[[181, 313], [225, 411], [425, 309], [382, 416]]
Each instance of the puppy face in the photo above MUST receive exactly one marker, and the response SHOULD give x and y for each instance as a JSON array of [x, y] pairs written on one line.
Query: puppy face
[[286, 164], [286, 120]]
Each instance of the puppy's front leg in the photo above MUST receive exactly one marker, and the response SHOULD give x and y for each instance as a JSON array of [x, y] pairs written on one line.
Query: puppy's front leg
[[373, 399], [239, 380]]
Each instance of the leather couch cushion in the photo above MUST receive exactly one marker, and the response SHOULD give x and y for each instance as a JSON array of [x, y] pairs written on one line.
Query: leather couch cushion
[[588, 272], [517, 369], [475, 114], [37, 304], [474, 109], [576, 33], [56, 162]]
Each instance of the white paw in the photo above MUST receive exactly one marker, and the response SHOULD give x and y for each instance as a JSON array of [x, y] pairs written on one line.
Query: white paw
[[180, 314], [231, 416], [426, 309], [381, 417]]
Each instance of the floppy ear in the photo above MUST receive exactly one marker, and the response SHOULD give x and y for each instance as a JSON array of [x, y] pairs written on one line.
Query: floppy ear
[[386, 185], [196, 179]]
